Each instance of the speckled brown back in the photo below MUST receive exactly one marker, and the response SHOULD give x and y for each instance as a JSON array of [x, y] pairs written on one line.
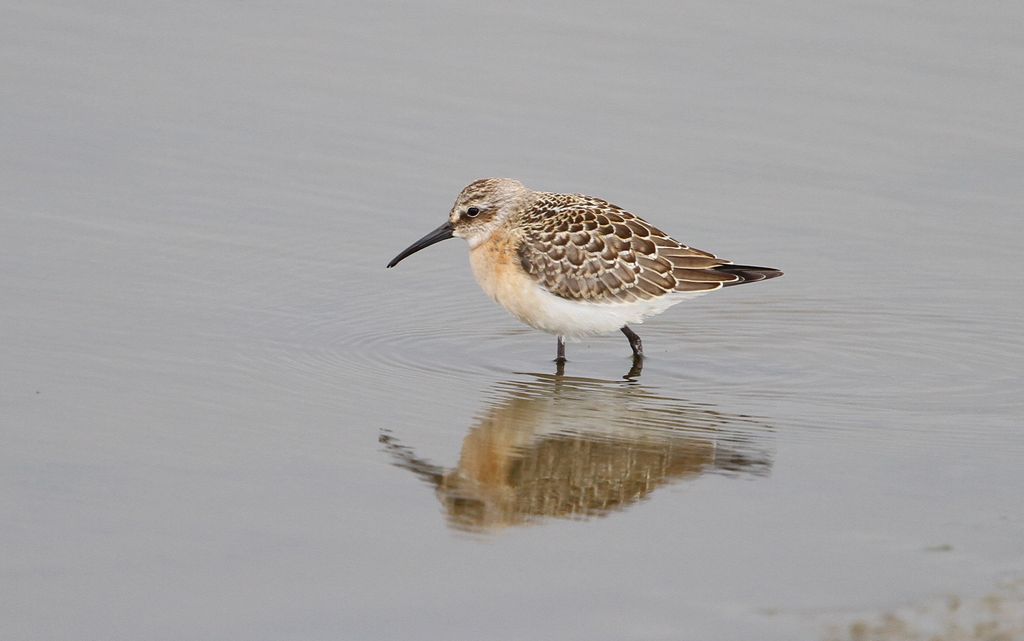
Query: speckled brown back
[[587, 249]]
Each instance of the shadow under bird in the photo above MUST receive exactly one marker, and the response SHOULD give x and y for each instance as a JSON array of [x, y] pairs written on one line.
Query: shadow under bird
[[574, 265]]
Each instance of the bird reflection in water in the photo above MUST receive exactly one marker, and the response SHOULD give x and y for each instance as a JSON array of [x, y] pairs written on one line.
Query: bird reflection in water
[[577, 448]]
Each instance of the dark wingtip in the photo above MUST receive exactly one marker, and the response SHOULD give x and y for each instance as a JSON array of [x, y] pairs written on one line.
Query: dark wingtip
[[748, 273]]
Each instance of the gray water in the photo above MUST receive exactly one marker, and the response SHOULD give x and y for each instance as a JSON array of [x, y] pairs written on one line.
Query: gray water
[[222, 418]]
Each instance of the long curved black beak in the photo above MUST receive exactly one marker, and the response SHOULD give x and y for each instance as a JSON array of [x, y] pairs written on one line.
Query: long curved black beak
[[444, 232]]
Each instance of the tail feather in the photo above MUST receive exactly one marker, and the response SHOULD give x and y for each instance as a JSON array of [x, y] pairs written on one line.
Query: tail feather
[[747, 273]]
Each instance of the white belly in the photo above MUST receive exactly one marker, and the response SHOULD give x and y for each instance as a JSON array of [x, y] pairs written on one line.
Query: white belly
[[507, 284]]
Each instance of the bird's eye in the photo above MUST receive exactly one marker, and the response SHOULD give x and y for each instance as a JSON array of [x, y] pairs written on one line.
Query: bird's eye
[[473, 212]]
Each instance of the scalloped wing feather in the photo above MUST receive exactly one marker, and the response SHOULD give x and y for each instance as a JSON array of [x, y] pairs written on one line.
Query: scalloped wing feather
[[586, 249]]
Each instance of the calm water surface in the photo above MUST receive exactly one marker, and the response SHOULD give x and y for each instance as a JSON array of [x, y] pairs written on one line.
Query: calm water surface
[[224, 419]]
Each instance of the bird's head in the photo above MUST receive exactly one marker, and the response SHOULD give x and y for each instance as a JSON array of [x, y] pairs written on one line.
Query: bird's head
[[481, 208]]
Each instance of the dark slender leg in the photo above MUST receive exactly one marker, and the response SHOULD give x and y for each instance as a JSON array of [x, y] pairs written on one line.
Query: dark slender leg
[[561, 350], [637, 369], [634, 341]]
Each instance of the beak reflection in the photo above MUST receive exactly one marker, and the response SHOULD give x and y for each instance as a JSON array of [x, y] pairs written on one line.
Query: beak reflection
[[444, 232]]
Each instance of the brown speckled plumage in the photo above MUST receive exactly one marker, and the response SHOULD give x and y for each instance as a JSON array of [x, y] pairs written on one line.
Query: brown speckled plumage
[[587, 249], [575, 265]]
